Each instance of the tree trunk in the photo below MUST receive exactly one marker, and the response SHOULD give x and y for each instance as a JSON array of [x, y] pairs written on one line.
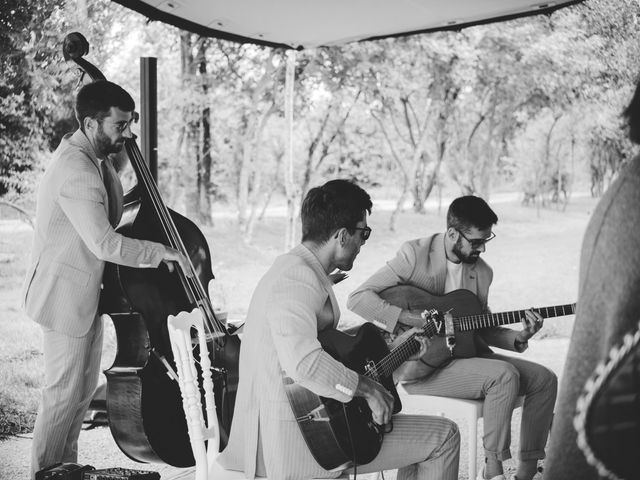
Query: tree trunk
[[289, 185], [190, 169], [204, 172]]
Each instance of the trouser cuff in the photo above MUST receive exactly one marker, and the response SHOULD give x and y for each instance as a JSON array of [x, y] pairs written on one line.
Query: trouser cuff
[[532, 455], [503, 455]]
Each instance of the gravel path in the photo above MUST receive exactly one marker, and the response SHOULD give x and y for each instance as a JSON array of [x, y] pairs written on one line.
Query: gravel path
[[97, 447]]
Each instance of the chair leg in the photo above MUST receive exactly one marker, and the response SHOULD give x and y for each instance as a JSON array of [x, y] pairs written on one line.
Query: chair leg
[[473, 445]]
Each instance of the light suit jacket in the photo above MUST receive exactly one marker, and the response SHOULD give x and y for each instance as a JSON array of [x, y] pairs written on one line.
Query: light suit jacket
[[72, 240], [423, 263], [292, 302]]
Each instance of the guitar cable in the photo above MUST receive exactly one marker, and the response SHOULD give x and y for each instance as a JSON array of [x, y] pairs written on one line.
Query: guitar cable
[[353, 450]]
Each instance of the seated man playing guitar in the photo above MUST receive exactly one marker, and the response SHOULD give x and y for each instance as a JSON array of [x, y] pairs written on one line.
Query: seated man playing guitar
[[292, 305], [448, 262]]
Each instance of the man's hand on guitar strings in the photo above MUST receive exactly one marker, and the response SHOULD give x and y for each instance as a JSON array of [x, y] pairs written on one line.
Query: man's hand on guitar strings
[[378, 398], [531, 323], [419, 337], [411, 318]]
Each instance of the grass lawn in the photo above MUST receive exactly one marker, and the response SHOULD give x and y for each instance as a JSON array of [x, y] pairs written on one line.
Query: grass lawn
[[535, 257]]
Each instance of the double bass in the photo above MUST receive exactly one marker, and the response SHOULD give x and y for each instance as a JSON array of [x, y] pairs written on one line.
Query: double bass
[[144, 404]]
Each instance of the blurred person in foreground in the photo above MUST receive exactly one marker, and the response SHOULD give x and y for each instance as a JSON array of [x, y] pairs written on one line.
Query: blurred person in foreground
[[608, 309], [79, 203], [445, 263], [292, 302]]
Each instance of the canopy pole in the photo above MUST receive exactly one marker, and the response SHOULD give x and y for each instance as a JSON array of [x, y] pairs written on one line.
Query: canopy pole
[[149, 112], [289, 181]]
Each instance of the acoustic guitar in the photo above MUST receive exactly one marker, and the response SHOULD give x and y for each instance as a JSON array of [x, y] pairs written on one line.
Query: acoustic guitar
[[338, 434], [467, 316]]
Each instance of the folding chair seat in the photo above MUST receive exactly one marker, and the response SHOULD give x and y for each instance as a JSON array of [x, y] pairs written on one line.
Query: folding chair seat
[[450, 407]]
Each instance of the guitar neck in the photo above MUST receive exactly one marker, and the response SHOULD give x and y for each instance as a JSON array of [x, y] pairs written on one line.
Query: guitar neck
[[402, 352], [475, 322]]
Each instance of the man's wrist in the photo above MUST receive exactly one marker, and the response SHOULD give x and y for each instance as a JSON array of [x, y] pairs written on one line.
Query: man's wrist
[[410, 319]]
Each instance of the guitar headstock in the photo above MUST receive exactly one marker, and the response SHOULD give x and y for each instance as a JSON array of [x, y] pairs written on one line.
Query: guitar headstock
[[432, 321]]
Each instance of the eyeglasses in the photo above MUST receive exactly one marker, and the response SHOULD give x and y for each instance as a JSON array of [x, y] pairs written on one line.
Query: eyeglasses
[[366, 232], [124, 124], [477, 242]]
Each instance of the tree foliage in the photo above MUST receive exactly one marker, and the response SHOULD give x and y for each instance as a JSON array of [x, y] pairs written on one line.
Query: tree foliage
[[532, 103]]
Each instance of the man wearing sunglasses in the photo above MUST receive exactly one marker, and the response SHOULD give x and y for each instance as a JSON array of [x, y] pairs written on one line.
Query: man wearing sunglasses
[[443, 263], [292, 302]]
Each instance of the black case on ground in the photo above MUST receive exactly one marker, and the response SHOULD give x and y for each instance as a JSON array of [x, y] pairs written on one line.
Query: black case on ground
[[63, 471]]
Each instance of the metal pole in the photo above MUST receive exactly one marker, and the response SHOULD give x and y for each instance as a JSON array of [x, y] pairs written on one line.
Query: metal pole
[[291, 191], [149, 113]]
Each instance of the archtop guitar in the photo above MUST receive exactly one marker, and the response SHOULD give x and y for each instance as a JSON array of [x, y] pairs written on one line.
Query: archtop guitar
[[338, 434], [457, 339]]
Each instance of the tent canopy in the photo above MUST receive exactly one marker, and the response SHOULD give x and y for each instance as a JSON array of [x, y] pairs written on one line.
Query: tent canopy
[[303, 24]]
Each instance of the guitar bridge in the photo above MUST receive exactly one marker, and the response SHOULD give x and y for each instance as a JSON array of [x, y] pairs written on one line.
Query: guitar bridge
[[371, 371], [318, 414]]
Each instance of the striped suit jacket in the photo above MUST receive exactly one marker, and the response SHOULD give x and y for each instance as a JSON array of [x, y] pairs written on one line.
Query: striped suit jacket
[[73, 238], [423, 263], [291, 303]]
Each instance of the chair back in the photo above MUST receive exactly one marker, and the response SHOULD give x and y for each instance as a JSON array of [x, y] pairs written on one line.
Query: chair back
[[192, 386]]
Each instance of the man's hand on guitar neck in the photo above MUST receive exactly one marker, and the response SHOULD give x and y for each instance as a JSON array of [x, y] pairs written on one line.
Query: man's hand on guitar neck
[[378, 398], [531, 323], [419, 337]]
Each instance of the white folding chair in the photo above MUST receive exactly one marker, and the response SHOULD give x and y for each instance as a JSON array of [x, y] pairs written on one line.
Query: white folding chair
[[200, 431], [449, 407]]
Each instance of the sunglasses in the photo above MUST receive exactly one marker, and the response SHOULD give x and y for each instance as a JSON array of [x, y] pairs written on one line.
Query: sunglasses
[[366, 232]]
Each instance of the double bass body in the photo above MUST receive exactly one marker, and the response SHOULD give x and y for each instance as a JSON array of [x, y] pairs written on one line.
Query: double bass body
[[143, 400]]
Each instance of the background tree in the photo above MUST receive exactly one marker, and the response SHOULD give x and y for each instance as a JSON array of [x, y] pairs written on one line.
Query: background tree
[[532, 102]]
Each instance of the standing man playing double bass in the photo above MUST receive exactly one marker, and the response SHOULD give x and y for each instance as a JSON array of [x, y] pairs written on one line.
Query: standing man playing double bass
[[78, 205]]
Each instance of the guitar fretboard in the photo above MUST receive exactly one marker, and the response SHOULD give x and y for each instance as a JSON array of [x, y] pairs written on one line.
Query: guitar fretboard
[[410, 346], [402, 352], [473, 322]]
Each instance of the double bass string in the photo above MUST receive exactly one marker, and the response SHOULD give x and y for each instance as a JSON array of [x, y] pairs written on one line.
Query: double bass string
[[192, 284]]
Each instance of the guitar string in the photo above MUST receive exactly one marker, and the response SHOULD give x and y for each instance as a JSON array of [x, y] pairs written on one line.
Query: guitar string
[[470, 322], [192, 285], [399, 354]]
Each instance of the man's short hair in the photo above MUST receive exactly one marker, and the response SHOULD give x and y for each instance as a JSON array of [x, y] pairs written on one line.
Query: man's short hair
[[334, 205], [95, 100], [470, 211]]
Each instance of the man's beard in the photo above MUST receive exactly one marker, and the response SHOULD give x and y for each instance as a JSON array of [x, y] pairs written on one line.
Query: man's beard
[[471, 258], [104, 145]]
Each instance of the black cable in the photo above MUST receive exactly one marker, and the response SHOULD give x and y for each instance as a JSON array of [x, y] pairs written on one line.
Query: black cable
[[353, 449]]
